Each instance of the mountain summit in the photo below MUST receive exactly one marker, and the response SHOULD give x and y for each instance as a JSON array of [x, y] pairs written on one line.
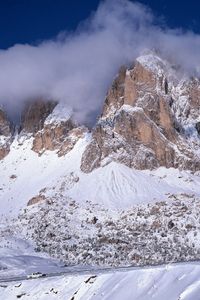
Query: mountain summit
[[150, 119]]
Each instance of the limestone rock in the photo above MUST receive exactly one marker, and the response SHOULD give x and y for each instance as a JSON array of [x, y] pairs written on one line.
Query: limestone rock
[[115, 96], [140, 126], [5, 134], [37, 199], [5, 125], [34, 115], [59, 133]]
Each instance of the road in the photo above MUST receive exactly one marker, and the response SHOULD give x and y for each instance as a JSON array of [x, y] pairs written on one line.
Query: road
[[75, 271]]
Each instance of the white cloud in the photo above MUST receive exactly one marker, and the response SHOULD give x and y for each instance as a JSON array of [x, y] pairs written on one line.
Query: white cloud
[[78, 68]]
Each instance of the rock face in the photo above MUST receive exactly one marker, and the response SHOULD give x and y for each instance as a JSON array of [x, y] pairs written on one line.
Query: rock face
[[59, 132], [5, 126], [37, 199], [52, 127], [49, 124], [145, 122], [150, 118], [34, 115], [61, 138], [5, 134]]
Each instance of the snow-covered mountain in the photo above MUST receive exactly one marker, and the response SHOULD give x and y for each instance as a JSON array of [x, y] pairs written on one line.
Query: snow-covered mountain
[[150, 119], [124, 193]]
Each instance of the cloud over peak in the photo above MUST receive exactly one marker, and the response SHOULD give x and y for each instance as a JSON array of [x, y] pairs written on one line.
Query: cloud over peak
[[77, 68]]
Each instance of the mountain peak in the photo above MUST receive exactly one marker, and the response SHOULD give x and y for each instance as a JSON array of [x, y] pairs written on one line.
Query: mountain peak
[[153, 62], [142, 122]]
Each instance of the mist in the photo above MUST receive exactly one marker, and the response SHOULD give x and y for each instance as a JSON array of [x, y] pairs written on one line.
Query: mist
[[77, 68]]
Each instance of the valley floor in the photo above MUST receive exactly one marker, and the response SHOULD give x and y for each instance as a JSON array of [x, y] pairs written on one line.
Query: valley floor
[[174, 282]]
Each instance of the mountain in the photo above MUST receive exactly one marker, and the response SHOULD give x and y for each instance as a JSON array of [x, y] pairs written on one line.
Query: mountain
[[125, 192], [150, 119]]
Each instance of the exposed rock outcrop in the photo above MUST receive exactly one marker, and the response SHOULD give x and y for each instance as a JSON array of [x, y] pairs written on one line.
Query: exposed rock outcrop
[[34, 115], [186, 104], [59, 132], [140, 126], [5, 134], [49, 123], [150, 118], [61, 138], [37, 199], [5, 125]]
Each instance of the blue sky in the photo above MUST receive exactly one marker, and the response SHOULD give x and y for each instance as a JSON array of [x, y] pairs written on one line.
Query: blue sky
[[87, 59], [29, 21]]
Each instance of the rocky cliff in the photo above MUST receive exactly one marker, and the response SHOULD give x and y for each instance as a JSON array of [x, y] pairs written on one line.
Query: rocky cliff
[[34, 115], [5, 134], [49, 124], [52, 127], [60, 132], [149, 119]]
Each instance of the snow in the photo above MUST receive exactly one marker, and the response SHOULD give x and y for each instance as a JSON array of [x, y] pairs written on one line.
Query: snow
[[161, 68], [130, 109], [153, 63], [4, 140], [111, 188], [105, 209], [61, 113], [174, 282], [18, 258], [117, 186], [23, 174], [32, 173]]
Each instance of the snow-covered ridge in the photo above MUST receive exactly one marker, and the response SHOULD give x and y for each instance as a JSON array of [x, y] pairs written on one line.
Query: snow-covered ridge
[[153, 63], [162, 68], [61, 113]]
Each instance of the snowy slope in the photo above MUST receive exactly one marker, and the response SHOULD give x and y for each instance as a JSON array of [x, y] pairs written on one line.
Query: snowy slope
[[175, 282], [17, 257], [31, 174], [77, 200], [23, 174], [118, 186], [61, 113], [104, 217]]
